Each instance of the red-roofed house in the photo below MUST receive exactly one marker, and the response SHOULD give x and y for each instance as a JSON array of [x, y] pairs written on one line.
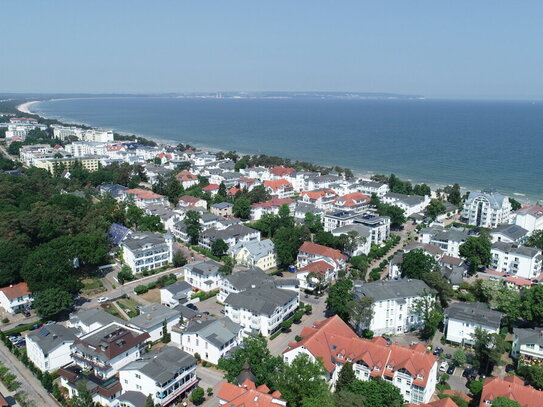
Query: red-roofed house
[[322, 198], [15, 297], [312, 252], [186, 178], [318, 272], [143, 197], [212, 189], [280, 171], [192, 202], [444, 402], [248, 395], [279, 188], [233, 191], [353, 202], [272, 207], [517, 283], [248, 183], [412, 369], [510, 387]]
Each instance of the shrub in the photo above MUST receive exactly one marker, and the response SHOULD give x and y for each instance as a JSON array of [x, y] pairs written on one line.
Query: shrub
[[141, 289], [5, 320], [298, 338]]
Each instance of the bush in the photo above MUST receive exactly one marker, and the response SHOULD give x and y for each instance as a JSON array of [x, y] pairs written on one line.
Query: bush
[[197, 396], [5, 320], [375, 275], [141, 289], [205, 363], [298, 338], [368, 334], [197, 357], [286, 325]]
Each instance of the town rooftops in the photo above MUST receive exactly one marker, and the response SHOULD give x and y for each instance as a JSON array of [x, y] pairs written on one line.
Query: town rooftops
[[215, 331], [248, 395], [252, 278], [178, 287], [529, 335], [272, 203], [276, 184], [162, 364], [536, 211], [191, 200], [153, 314], [513, 232], [281, 171], [495, 199], [430, 248], [138, 240], [49, 337], [513, 388], [16, 290], [334, 341], [319, 250], [261, 301], [317, 267], [211, 187], [452, 234], [257, 249], [513, 248], [361, 230], [234, 231], [204, 268], [392, 289], [117, 233], [132, 398], [475, 312], [93, 315], [222, 205], [143, 194], [409, 200]]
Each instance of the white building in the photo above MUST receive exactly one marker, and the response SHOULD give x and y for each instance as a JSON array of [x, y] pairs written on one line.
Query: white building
[[165, 373], [447, 239], [528, 345], [487, 209], [212, 339], [147, 251], [259, 254], [362, 235], [203, 275], [153, 318], [49, 347], [409, 203], [372, 187], [394, 302], [231, 236], [509, 234], [15, 297], [522, 261], [90, 320], [261, 310], [311, 252], [411, 369], [461, 319], [530, 218], [175, 294], [313, 274], [143, 197], [271, 207]]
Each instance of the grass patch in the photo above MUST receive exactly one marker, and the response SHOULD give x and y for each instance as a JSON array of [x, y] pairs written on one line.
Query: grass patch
[[22, 328], [152, 295], [129, 306], [110, 309], [92, 285]]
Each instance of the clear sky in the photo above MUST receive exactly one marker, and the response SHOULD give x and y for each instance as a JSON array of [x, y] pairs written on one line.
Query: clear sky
[[455, 49]]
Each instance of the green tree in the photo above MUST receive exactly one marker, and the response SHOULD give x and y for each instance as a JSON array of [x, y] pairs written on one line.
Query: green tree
[[459, 357], [422, 190], [228, 265], [222, 190], [396, 214], [149, 402], [346, 377], [179, 259], [504, 402], [488, 348], [347, 399], [416, 263], [125, 275], [435, 208], [361, 312], [194, 227], [313, 222], [339, 298], [508, 302], [377, 393], [476, 250], [219, 248], [429, 313], [302, 379], [533, 374], [536, 239], [532, 304], [197, 396], [84, 396], [50, 302], [264, 366], [476, 387], [287, 242], [242, 208], [151, 223], [436, 281], [454, 196], [515, 205]]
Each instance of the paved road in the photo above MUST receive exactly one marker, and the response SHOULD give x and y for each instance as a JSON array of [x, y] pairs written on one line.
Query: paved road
[[29, 383], [209, 378]]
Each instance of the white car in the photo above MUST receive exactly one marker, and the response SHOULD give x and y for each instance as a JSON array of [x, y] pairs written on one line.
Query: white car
[[443, 367], [102, 299]]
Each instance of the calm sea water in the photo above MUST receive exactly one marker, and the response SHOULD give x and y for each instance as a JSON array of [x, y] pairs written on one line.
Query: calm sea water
[[477, 144]]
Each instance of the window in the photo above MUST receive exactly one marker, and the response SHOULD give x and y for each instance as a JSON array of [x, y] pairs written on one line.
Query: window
[[138, 387], [137, 376]]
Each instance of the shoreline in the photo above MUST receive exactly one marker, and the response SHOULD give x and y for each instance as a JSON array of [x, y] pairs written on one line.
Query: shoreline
[[359, 173]]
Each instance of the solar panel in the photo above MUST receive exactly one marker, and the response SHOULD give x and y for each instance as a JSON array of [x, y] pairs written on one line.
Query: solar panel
[[44, 331]]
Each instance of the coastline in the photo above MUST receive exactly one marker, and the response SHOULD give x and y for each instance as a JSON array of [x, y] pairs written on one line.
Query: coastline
[[525, 198]]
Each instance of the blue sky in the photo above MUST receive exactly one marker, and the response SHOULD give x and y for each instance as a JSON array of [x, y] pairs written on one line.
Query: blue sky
[[451, 49]]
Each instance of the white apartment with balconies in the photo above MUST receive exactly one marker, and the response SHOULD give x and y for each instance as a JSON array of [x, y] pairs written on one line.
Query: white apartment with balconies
[[147, 251], [487, 209], [521, 261]]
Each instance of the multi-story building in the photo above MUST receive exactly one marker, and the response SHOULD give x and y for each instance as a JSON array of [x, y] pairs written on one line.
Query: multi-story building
[[231, 236], [311, 252], [212, 339], [279, 188], [318, 273], [322, 198], [447, 239], [509, 234], [108, 349], [155, 319], [259, 254], [203, 275], [51, 164], [522, 261], [271, 207], [461, 319], [487, 209], [530, 218], [512, 388], [361, 233], [247, 394], [83, 149], [411, 369], [222, 209], [147, 251], [15, 297], [49, 347], [261, 310], [89, 320], [394, 304], [352, 202], [143, 197], [372, 187], [175, 294], [410, 204], [165, 373], [528, 345]]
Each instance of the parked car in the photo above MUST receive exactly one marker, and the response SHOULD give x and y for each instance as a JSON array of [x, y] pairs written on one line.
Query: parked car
[[450, 370], [443, 367], [438, 351], [26, 313], [387, 339], [102, 299]]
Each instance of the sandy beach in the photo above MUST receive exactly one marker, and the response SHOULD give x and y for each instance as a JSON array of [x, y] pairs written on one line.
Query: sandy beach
[[25, 107]]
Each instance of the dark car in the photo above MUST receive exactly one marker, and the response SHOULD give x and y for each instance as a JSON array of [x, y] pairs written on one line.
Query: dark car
[[26, 313], [450, 370], [468, 372], [386, 338], [438, 351], [192, 307]]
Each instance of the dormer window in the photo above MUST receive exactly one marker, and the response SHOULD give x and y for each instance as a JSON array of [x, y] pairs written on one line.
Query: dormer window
[[376, 368], [389, 367], [340, 356], [420, 377]]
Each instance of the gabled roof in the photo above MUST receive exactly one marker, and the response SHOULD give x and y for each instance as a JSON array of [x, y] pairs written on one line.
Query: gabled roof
[[281, 171], [49, 337], [261, 301], [475, 312], [117, 233], [536, 211], [444, 402], [152, 315], [513, 232], [16, 290], [272, 203], [248, 395], [512, 388], [277, 184], [317, 267], [393, 289], [211, 187], [257, 249], [319, 250], [143, 194], [529, 335], [218, 332]]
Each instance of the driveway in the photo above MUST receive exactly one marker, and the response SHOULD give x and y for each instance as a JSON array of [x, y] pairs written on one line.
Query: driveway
[[209, 377], [210, 305]]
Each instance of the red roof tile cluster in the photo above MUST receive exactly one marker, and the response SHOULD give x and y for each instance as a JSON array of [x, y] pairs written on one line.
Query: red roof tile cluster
[[536, 211], [518, 281], [16, 290], [211, 187], [333, 340], [143, 194], [233, 191], [272, 203], [458, 393], [353, 199], [247, 181], [248, 395], [164, 155], [277, 184], [281, 171], [512, 388], [444, 402], [319, 250], [190, 200], [317, 267], [185, 175], [319, 193]]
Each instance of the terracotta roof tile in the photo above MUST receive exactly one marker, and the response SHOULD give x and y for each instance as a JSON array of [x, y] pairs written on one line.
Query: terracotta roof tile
[[16, 290], [313, 248], [248, 395], [513, 388]]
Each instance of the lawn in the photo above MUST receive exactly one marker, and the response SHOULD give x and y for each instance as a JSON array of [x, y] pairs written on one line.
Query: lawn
[[92, 286], [129, 306], [152, 295], [110, 309]]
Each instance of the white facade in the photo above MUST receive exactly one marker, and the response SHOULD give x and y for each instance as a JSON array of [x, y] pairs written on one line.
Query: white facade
[[521, 261], [461, 319], [409, 203], [530, 218], [147, 251], [15, 297], [203, 276], [487, 209], [49, 347], [372, 187]]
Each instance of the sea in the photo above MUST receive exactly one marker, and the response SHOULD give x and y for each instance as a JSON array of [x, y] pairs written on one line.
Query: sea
[[494, 145]]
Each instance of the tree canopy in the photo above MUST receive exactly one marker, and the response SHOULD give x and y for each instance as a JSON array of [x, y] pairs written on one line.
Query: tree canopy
[[476, 250], [416, 264]]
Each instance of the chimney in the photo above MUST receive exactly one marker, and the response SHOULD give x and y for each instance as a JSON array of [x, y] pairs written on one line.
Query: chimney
[[148, 317], [153, 308]]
